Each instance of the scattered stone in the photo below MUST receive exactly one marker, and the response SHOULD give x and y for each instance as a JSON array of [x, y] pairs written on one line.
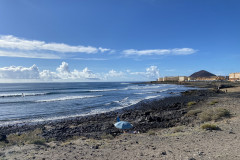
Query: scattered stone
[[95, 147], [200, 153], [3, 138], [2, 154], [164, 153]]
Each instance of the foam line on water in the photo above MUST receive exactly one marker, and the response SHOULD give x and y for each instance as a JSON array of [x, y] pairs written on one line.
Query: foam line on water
[[68, 98], [20, 94], [102, 90], [151, 97]]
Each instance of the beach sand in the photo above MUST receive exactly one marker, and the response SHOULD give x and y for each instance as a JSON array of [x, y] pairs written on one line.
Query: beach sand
[[234, 89], [182, 142]]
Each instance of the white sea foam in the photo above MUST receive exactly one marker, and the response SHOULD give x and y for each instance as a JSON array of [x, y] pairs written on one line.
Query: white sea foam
[[164, 90], [151, 97], [103, 90], [145, 93], [140, 93], [156, 91], [127, 102], [125, 83], [137, 87], [21, 94], [68, 98], [107, 104]]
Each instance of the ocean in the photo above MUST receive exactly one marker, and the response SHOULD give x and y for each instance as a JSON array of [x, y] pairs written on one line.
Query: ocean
[[38, 102]]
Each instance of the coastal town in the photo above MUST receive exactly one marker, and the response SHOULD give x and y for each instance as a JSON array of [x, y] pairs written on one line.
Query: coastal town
[[201, 76]]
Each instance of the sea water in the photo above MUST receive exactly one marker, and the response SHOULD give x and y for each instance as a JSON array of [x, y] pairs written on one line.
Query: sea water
[[39, 102]]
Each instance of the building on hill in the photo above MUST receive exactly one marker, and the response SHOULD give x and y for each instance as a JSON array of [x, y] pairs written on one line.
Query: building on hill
[[234, 76]]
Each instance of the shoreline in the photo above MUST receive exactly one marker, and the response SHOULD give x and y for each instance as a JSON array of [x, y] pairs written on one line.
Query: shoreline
[[167, 131], [52, 118], [142, 112]]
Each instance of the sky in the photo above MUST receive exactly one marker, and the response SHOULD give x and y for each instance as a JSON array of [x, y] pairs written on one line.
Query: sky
[[117, 40]]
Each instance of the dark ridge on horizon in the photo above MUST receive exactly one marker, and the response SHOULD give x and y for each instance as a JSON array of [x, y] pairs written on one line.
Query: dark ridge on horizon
[[202, 73]]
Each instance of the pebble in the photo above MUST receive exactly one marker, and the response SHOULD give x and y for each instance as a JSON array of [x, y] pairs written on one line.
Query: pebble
[[164, 153], [95, 147]]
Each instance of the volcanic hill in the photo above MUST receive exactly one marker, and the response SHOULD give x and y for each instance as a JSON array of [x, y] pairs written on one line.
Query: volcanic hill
[[202, 73]]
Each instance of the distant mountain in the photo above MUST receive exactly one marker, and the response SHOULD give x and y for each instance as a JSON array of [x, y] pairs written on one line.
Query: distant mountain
[[202, 73]]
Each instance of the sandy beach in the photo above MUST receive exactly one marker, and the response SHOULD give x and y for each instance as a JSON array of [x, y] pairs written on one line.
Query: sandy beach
[[168, 129]]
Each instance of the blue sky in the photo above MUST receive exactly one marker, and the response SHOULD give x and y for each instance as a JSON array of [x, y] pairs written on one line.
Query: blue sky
[[117, 40]]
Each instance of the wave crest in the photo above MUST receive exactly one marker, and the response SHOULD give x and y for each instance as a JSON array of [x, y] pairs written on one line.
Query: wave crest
[[21, 94], [68, 98]]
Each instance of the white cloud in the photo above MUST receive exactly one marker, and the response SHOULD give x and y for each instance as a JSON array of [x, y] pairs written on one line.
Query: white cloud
[[104, 49], [28, 55], [12, 42], [176, 51], [146, 52], [84, 74], [113, 73], [63, 68], [62, 73], [151, 72], [183, 51], [12, 46], [19, 72], [47, 75]]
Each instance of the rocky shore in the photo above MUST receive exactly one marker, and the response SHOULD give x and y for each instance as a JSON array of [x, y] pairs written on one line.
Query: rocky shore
[[146, 115], [169, 128]]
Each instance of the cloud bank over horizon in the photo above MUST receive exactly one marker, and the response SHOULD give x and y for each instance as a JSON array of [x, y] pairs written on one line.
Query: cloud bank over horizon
[[64, 74]]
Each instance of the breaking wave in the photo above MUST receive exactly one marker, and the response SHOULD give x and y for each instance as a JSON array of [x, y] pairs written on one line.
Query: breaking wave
[[21, 94], [68, 98], [102, 90]]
